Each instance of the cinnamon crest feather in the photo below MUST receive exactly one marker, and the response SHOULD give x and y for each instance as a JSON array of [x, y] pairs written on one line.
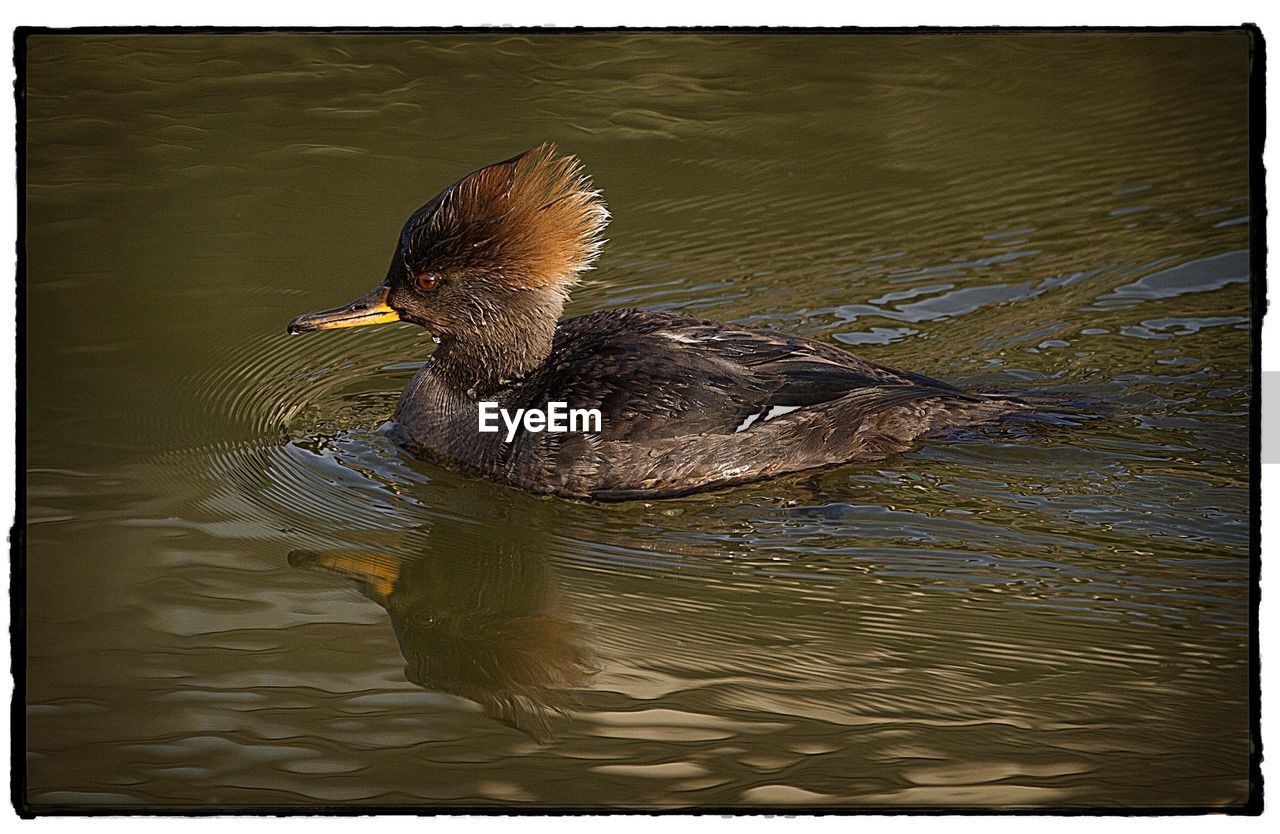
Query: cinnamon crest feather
[[533, 221]]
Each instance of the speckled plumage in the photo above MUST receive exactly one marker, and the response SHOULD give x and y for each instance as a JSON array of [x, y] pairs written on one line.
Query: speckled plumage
[[674, 393]]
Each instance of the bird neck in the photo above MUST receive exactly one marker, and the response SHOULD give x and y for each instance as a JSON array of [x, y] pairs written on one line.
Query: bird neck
[[507, 342]]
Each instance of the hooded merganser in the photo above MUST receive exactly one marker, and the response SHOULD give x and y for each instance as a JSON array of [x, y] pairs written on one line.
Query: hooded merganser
[[686, 405]]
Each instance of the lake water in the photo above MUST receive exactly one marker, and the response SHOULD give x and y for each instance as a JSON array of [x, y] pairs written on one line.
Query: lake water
[[230, 566]]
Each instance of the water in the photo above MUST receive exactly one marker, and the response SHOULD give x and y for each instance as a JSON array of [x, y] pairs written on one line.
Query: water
[[230, 567]]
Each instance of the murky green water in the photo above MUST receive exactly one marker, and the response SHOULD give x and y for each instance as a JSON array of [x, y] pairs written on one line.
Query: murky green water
[[1032, 617]]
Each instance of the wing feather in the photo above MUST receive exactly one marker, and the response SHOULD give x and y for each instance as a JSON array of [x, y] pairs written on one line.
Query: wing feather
[[655, 375]]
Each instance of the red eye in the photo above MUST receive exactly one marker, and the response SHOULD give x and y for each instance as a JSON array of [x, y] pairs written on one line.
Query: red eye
[[427, 281]]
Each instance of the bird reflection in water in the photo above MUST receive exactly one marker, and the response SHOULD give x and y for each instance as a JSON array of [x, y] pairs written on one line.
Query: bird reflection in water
[[484, 623]]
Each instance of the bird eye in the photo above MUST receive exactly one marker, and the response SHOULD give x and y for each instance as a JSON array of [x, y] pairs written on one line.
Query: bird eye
[[427, 281]]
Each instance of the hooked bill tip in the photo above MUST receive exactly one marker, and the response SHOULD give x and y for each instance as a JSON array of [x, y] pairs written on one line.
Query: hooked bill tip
[[299, 325]]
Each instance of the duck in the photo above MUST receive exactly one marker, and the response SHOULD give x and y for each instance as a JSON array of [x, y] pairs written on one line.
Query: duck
[[684, 405]]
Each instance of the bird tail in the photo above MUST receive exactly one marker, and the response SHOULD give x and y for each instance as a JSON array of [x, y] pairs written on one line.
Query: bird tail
[[1057, 408]]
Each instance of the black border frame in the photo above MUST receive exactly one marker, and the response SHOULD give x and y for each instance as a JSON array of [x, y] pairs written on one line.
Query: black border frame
[[17, 537]]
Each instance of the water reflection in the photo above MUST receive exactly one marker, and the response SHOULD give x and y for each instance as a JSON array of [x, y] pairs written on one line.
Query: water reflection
[[1023, 618], [479, 615]]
